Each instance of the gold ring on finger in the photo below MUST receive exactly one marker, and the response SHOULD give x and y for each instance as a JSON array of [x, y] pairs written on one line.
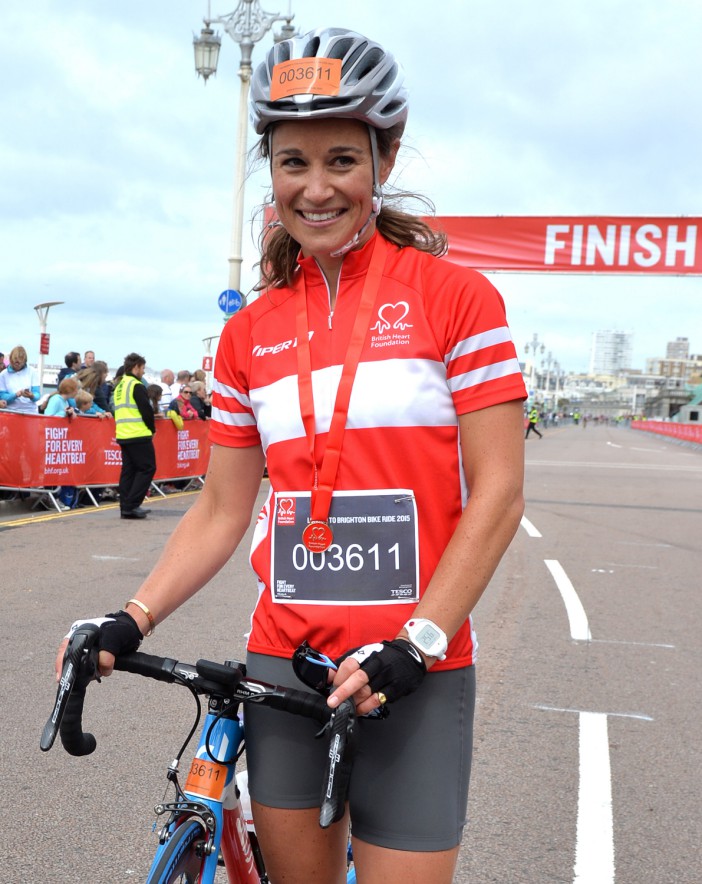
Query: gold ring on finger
[[382, 699]]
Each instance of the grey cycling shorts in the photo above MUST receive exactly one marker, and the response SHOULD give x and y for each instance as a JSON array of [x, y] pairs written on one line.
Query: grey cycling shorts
[[409, 786]]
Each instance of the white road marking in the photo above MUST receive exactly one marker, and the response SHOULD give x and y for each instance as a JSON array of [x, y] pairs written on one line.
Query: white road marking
[[594, 839], [114, 559], [594, 843], [614, 445], [614, 641], [639, 716], [577, 618], [669, 468], [529, 528]]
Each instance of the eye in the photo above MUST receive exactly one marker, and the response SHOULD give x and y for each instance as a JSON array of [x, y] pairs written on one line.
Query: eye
[[344, 161], [292, 163]]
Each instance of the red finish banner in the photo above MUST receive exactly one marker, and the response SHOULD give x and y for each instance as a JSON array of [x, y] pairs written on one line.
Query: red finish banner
[[688, 432], [577, 244], [38, 451]]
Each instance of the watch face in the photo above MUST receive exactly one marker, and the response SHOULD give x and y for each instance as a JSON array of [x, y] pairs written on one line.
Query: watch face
[[427, 635]]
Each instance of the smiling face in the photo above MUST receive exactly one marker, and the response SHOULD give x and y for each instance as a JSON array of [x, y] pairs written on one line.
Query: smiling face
[[323, 183]]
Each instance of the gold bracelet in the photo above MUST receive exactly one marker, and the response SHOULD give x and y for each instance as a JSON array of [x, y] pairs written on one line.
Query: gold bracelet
[[152, 622]]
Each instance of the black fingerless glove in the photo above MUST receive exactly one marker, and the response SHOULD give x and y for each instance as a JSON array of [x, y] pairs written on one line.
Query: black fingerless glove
[[119, 634], [396, 668]]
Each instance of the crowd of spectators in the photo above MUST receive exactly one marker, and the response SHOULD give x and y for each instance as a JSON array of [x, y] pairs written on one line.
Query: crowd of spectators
[[195, 404], [91, 389]]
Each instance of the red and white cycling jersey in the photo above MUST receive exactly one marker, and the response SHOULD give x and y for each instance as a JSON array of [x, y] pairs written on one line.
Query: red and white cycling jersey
[[438, 346]]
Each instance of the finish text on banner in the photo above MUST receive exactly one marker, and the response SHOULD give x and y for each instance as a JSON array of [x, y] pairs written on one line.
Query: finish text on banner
[[577, 244]]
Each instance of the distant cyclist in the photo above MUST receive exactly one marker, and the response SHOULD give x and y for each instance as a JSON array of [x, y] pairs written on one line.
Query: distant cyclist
[[381, 387]]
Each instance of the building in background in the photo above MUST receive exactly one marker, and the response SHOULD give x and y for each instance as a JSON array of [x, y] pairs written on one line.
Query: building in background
[[677, 363], [611, 352], [678, 349]]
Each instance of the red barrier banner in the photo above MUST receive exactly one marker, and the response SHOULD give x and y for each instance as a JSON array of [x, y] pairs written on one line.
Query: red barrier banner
[[575, 244], [38, 451], [688, 432]]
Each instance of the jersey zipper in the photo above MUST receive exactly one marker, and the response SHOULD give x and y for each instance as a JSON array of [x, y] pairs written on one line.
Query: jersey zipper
[[326, 283]]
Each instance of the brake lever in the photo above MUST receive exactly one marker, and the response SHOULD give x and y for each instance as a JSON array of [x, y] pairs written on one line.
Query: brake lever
[[80, 662]]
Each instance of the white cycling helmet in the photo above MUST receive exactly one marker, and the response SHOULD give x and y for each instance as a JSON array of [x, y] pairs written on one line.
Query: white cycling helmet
[[370, 86]]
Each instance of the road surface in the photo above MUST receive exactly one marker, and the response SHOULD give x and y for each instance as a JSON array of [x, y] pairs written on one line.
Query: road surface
[[587, 764]]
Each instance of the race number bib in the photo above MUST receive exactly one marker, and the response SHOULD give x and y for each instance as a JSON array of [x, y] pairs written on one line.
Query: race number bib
[[373, 558]]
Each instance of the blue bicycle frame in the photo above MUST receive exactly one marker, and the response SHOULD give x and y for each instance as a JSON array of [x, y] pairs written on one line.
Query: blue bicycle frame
[[213, 799]]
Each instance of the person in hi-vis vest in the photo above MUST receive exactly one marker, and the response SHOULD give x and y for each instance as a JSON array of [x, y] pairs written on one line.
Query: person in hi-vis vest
[[134, 430], [533, 420]]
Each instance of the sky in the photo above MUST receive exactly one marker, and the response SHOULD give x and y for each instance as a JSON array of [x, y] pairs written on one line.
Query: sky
[[117, 162]]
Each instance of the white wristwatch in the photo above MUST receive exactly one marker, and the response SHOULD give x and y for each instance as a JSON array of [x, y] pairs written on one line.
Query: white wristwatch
[[427, 637]]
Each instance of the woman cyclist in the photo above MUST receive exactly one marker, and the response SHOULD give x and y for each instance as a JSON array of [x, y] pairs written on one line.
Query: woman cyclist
[[380, 386]]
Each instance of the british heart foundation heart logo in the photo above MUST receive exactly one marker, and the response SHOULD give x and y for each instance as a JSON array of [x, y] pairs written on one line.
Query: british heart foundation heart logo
[[286, 511], [392, 316]]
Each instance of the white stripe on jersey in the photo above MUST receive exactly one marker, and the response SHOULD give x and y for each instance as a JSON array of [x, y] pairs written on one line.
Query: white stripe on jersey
[[233, 418], [231, 393], [385, 394], [474, 343], [486, 373]]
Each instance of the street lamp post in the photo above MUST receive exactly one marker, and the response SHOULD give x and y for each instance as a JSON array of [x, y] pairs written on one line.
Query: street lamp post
[[42, 313], [535, 349], [557, 373], [547, 382], [246, 26]]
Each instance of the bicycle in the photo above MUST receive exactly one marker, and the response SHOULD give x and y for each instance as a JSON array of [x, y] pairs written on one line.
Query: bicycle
[[206, 823]]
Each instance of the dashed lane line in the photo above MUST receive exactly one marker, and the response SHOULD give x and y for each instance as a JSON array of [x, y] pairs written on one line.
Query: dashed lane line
[[530, 529], [577, 618]]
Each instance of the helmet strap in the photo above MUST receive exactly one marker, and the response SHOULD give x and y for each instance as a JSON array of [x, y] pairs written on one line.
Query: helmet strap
[[376, 202]]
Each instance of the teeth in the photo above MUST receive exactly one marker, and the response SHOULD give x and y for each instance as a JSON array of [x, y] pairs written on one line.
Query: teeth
[[320, 216]]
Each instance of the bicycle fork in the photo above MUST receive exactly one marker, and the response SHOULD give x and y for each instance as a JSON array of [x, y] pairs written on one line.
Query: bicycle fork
[[213, 798]]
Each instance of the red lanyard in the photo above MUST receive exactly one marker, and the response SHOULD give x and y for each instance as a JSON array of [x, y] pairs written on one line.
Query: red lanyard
[[317, 535]]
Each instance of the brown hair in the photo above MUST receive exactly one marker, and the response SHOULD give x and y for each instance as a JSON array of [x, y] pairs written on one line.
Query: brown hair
[[69, 386], [154, 392], [131, 360], [279, 250], [90, 378]]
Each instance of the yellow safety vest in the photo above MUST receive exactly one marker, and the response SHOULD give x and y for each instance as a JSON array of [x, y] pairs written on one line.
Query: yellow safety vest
[[129, 423]]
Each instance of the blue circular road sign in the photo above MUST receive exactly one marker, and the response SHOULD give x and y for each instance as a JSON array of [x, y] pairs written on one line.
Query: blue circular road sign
[[230, 301]]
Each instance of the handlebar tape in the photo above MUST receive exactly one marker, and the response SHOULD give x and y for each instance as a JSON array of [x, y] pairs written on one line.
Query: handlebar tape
[[148, 665], [74, 741], [298, 703]]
